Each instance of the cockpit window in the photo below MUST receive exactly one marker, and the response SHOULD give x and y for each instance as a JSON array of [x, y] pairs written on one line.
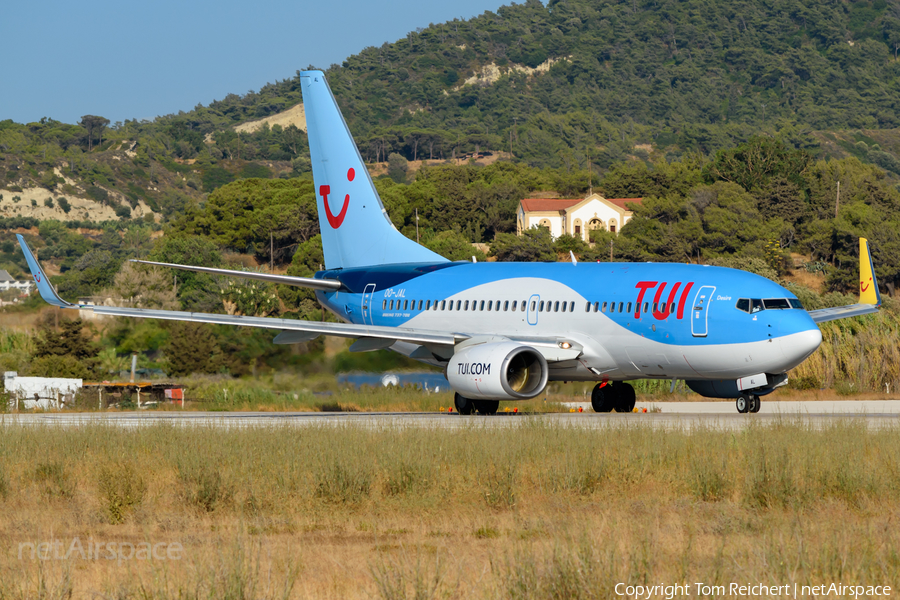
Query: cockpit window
[[776, 303], [755, 305]]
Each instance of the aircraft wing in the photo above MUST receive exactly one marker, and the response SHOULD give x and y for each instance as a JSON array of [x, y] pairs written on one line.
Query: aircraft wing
[[869, 296], [842, 312], [292, 331], [307, 282]]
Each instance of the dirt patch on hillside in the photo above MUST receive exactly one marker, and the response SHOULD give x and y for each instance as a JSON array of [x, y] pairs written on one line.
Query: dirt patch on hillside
[[381, 168], [295, 116]]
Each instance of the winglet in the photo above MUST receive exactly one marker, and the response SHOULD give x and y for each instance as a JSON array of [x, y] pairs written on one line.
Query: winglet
[[40, 278], [868, 284]]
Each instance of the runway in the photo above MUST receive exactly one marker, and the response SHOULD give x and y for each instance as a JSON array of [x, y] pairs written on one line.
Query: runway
[[874, 414]]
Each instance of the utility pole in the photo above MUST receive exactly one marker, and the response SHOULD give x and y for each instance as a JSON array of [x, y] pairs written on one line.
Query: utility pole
[[590, 176], [417, 225], [610, 250], [837, 202]]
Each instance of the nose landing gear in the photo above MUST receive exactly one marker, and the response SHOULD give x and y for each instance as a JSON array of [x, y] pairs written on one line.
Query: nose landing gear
[[618, 396], [748, 403]]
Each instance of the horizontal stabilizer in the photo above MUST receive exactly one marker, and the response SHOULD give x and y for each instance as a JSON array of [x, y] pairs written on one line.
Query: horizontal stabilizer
[[307, 282]]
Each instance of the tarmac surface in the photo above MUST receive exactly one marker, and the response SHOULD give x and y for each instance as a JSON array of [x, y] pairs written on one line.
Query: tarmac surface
[[875, 414]]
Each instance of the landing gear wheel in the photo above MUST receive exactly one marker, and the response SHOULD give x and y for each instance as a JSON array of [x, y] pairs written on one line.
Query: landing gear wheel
[[625, 397], [742, 404], [754, 404], [603, 398], [486, 407], [464, 406]]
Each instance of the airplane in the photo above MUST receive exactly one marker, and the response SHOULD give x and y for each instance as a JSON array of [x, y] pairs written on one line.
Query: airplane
[[502, 330]]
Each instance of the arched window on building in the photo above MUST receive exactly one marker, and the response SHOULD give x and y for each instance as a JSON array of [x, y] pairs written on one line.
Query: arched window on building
[[544, 223], [577, 228]]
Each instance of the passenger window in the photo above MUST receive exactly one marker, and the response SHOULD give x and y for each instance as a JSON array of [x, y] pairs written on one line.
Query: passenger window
[[514, 305], [637, 308], [743, 304], [383, 304], [459, 305], [672, 309], [532, 305], [490, 303], [506, 306], [420, 305], [628, 309], [603, 308], [405, 304], [596, 306], [443, 305], [392, 305], [647, 305], [612, 307], [556, 307], [756, 305], [428, 305], [655, 307], [621, 305], [541, 307], [466, 305]]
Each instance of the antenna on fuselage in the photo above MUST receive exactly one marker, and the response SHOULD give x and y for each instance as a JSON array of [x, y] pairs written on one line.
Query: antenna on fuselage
[[574, 260], [474, 260]]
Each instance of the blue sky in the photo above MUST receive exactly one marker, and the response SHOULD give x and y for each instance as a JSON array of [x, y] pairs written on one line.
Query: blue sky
[[124, 60]]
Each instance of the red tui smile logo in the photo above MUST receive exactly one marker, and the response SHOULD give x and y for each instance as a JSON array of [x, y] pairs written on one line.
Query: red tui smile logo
[[324, 190]]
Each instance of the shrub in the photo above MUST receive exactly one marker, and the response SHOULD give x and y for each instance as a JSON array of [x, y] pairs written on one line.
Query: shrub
[[204, 488], [55, 480], [121, 489]]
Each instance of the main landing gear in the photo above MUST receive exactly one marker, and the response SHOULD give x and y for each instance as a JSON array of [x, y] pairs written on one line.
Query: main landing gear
[[748, 403], [618, 396], [467, 406]]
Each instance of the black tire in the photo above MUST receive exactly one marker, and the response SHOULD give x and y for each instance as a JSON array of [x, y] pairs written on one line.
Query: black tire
[[603, 398], [486, 407], [464, 406], [625, 397], [742, 404], [754, 404]]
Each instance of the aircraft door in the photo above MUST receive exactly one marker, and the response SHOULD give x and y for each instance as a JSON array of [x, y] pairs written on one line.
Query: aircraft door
[[700, 310], [532, 311], [367, 304]]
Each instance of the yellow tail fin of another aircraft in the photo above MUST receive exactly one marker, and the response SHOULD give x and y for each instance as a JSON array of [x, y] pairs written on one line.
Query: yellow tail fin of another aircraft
[[868, 284]]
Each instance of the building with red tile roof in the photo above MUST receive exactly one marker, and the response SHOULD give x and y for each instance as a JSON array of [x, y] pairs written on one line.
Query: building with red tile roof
[[575, 216]]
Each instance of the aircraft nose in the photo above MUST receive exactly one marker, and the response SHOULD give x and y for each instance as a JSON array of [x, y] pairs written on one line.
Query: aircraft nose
[[798, 346]]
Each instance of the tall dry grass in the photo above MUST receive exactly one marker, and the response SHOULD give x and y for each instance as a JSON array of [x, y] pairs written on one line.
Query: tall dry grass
[[856, 355], [533, 511]]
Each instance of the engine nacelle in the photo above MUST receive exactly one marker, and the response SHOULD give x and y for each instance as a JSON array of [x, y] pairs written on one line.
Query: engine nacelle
[[498, 371]]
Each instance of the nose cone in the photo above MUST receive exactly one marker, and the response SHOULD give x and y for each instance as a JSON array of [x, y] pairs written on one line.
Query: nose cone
[[797, 347]]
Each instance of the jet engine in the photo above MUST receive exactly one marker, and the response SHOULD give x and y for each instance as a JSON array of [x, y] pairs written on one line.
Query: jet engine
[[498, 371]]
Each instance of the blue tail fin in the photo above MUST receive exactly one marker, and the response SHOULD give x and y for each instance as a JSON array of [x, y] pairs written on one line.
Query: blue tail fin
[[356, 231]]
